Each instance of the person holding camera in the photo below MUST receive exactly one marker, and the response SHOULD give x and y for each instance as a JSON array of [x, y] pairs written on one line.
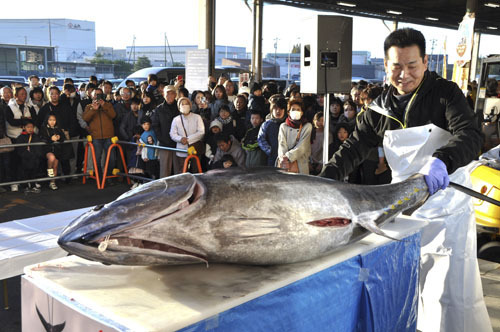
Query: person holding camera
[[99, 115]]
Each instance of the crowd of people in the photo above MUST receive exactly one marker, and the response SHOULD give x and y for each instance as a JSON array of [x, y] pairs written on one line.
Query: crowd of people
[[228, 125]]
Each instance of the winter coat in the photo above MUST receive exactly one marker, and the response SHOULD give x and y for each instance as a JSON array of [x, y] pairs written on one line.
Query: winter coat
[[74, 105], [215, 107], [62, 112], [14, 117], [61, 151], [235, 151], [162, 119], [100, 121], [121, 109], [194, 131], [436, 101], [233, 126], [268, 139], [294, 150], [30, 155], [3, 128], [254, 155], [127, 126]]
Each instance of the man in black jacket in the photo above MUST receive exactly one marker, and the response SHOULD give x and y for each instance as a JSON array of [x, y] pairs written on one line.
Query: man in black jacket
[[162, 121], [416, 97]]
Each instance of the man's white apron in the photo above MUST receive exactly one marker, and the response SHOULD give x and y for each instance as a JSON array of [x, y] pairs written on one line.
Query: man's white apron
[[450, 290]]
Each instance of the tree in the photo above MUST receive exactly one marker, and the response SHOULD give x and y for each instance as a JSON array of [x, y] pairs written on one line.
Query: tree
[[142, 62], [122, 68], [177, 64], [296, 48]]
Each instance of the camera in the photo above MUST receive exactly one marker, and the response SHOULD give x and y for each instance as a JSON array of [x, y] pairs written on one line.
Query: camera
[[203, 100], [100, 96]]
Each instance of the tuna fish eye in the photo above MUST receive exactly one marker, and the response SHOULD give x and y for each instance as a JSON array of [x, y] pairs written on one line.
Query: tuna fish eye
[[98, 207]]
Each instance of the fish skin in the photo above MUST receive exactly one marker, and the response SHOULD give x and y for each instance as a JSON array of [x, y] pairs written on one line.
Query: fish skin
[[261, 216]]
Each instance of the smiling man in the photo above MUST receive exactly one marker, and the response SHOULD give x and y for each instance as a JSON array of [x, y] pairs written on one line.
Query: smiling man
[[415, 97]]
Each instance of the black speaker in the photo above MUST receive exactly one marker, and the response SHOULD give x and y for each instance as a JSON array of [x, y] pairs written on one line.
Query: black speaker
[[326, 47]]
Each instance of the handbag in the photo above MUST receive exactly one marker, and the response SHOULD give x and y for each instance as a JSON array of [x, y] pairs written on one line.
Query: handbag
[[293, 166], [198, 146], [6, 141]]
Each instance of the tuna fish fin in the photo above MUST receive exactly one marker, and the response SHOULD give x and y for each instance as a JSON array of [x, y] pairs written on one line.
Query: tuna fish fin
[[243, 227], [367, 221]]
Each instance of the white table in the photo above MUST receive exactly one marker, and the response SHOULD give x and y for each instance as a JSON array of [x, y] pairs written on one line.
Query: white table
[[87, 295], [33, 240]]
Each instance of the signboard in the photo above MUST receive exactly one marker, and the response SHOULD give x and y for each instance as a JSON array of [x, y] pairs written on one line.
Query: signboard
[[465, 39], [197, 70], [244, 77]]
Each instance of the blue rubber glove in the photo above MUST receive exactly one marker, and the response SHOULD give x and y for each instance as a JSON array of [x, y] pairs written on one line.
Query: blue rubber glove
[[436, 175]]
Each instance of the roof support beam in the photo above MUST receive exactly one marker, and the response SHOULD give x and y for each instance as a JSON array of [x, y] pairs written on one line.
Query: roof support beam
[[258, 6], [206, 31]]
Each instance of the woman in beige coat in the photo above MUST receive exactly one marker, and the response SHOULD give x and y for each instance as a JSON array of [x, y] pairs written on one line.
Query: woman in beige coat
[[294, 139]]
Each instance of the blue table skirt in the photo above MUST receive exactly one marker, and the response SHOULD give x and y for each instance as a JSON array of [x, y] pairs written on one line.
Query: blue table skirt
[[376, 291]]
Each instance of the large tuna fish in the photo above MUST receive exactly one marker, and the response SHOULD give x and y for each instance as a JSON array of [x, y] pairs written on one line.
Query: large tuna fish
[[263, 216]]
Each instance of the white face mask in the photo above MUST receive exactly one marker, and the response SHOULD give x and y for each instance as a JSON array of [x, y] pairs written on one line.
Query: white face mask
[[83, 94], [295, 115], [185, 109]]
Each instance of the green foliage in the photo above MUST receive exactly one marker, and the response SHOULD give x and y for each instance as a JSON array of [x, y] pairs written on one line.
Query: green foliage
[[121, 67], [177, 64], [142, 62]]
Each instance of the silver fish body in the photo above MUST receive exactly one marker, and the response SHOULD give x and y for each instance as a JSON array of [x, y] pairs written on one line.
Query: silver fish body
[[262, 216]]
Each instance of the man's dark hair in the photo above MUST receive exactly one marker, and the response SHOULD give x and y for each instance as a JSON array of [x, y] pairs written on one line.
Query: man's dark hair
[[222, 137], [26, 121], [107, 83], [68, 80], [152, 77], [92, 78], [224, 107], [129, 81], [68, 86], [33, 76], [53, 87], [90, 86], [256, 111], [404, 38]]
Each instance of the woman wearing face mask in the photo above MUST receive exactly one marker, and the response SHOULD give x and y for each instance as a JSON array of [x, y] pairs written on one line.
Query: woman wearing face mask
[[294, 140], [187, 130]]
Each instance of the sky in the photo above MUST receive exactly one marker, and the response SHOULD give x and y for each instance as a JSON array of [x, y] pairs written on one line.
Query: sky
[[118, 23]]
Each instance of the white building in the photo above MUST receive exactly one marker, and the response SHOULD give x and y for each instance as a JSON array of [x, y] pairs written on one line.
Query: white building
[[73, 40], [158, 54]]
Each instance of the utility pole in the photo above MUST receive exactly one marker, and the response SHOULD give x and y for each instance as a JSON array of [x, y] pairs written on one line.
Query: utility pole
[[165, 50], [132, 50], [275, 48], [50, 34], [169, 50]]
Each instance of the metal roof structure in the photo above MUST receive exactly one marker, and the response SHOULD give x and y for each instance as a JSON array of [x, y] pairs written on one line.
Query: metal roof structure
[[437, 13]]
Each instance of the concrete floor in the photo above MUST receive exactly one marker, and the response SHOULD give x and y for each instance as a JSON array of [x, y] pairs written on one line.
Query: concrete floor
[[490, 277]]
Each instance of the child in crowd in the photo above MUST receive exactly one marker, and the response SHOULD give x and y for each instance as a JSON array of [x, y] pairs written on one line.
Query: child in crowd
[[226, 161], [211, 144], [51, 133], [230, 125], [316, 162], [30, 155], [135, 163], [254, 155], [149, 155]]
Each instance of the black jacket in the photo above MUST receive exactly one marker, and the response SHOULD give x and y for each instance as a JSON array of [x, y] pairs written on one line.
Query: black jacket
[[3, 128], [437, 101], [62, 112], [29, 153], [127, 126], [162, 121], [72, 103]]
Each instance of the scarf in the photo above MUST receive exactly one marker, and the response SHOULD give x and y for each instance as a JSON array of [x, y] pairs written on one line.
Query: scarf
[[295, 124], [225, 121]]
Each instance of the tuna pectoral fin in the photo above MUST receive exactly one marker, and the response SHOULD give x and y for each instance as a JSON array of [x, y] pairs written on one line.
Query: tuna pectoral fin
[[367, 221]]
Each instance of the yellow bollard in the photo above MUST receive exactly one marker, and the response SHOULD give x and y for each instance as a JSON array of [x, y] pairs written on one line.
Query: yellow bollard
[[191, 150], [116, 171], [89, 138], [114, 139]]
